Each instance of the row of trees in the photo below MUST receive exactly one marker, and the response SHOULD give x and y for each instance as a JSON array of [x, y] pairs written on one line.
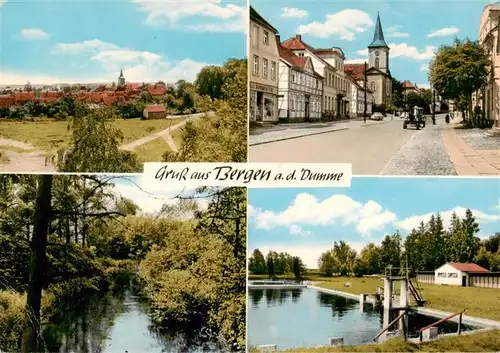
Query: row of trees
[[63, 238], [459, 70], [424, 249], [275, 264]]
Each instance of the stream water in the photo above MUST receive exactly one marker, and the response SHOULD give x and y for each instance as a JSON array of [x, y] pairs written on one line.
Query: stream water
[[118, 323]]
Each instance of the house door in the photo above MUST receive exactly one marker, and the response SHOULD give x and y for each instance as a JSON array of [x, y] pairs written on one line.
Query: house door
[[464, 281], [259, 114], [306, 107]]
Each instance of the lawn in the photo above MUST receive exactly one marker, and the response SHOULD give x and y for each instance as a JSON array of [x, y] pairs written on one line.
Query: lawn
[[478, 342], [177, 136], [152, 151], [50, 134], [479, 302]]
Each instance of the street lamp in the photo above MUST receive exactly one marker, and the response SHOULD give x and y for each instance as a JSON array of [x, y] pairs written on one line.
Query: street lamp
[[366, 91]]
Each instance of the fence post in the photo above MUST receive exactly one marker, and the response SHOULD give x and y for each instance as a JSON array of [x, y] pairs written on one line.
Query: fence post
[[460, 324]]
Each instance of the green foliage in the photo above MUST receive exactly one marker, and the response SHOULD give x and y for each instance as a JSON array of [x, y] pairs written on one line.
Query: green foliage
[[257, 263], [95, 146], [210, 81], [398, 96], [201, 274], [458, 70], [12, 314], [223, 137]]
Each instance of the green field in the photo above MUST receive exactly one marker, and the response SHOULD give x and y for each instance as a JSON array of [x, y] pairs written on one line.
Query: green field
[[152, 151], [50, 134]]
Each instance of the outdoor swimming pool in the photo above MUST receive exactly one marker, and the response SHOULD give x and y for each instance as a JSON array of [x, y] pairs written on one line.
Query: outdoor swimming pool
[[307, 317]]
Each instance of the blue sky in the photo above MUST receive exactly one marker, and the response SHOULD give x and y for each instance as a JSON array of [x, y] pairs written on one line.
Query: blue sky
[[413, 29], [89, 41], [306, 222]]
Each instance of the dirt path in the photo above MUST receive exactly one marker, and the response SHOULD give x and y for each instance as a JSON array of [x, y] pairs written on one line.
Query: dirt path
[[29, 160], [165, 134]]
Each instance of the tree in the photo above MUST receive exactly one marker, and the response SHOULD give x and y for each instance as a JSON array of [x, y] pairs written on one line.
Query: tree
[[369, 259], [345, 257], [257, 263], [95, 146], [43, 213], [297, 267], [222, 137], [327, 263], [398, 95], [270, 264], [458, 70], [210, 81]]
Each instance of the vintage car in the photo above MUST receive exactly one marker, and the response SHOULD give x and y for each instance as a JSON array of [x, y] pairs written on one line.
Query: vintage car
[[377, 116], [416, 118]]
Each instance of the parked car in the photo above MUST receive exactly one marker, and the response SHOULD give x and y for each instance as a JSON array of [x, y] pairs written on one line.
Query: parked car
[[377, 116]]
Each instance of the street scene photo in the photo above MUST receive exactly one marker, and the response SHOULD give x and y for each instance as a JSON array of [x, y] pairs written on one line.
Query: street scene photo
[[106, 264], [357, 270], [396, 88], [82, 93]]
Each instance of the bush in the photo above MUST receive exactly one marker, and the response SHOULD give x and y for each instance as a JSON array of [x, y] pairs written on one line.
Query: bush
[[12, 316]]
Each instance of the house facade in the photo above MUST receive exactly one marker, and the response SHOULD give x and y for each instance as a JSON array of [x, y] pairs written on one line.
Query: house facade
[[341, 86], [355, 75], [263, 64], [456, 274], [300, 88], [323, 68], [489, 38]]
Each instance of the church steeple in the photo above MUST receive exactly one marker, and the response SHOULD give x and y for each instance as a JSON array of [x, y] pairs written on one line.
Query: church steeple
[[378, 36], [121, 79]]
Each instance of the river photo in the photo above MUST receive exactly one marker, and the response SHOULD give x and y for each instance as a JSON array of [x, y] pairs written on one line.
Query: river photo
[[102, 264]]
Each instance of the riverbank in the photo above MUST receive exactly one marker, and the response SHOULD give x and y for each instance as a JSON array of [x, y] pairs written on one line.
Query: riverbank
[[476, 342]]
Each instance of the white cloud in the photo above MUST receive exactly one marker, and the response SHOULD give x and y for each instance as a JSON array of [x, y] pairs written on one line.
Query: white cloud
[[230, 17], [33, 34], [393, 32], [298, 230], [414, 221], [2, 2], [444, 32], [344, 24], [108, 58], [424, 85], [92, 46], [292, 12], [403, 50], [306, 209], [424, 67], [408, 51]]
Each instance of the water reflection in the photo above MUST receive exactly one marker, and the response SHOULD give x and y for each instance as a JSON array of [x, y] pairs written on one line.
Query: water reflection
[[274, 297], [306, 317], [117, 323]]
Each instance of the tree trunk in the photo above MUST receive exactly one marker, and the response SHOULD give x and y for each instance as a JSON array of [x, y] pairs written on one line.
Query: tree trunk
[[30, 339]]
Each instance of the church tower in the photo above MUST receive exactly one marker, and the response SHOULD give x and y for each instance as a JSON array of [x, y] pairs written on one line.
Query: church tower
[[121, 79], [378, 50]]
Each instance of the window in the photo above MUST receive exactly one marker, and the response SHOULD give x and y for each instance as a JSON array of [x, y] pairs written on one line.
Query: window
[[301, 54], [255, 35], [273, 70], [442, 274], [265, 64], [453, 275], [256, 65], [293, 77], [377, 63], [266, 37], [372, 86]]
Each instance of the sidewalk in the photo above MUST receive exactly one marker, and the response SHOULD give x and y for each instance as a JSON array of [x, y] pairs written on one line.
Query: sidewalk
[[466, 159], [282, 132]]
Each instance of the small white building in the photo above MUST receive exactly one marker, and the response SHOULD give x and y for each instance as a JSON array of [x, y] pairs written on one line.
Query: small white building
[[456, 274]]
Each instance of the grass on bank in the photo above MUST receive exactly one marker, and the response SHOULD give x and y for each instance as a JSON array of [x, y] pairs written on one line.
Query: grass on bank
[[478, 302], [478, 342], [50, 135], [153, 150]]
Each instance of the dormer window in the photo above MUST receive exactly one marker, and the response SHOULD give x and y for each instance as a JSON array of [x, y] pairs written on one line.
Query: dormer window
[[301, 54]]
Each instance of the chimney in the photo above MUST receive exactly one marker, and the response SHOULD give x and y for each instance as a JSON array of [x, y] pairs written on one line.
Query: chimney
[[298, 36]]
